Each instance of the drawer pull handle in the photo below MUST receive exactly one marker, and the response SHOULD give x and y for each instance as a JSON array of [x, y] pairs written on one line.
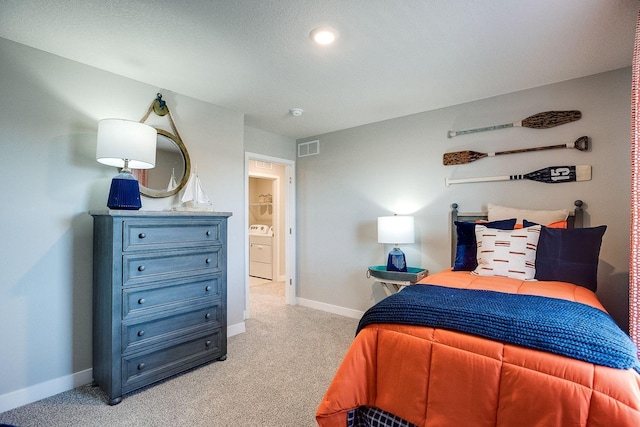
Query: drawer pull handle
[[208, 260], [141, 301], [141, 268], [141, 333], [208, 233], [142, 236], [208, 288], [141, 366], [207, 316], [208, 343]]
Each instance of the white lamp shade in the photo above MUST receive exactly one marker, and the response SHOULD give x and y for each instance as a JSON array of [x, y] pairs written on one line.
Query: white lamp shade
[[120, 139], [396, 229]]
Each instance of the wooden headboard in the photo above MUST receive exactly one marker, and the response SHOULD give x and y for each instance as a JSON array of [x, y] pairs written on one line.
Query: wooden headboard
[[573, 221]]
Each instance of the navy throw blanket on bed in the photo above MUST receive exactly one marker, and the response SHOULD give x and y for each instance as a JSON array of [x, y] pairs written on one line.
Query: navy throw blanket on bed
[[549, 324]]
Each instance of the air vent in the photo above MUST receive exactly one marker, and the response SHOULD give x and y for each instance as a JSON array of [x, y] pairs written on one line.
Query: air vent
[[310, 148], [263, 165]]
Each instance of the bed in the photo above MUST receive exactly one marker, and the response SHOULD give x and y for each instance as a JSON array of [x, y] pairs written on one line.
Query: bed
[[482, 344]]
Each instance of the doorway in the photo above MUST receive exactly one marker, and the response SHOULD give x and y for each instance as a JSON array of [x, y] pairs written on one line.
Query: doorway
[[265, 223], [270, 235]]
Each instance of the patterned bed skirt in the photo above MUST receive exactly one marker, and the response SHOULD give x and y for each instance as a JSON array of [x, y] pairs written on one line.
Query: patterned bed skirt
[[366, 416]]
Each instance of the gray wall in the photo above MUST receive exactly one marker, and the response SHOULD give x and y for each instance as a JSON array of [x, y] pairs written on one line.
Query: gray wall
[[258, 141], [50, 180], [395, 166]]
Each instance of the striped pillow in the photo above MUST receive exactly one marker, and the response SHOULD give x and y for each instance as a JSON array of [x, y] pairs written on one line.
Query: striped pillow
[[507, 253]]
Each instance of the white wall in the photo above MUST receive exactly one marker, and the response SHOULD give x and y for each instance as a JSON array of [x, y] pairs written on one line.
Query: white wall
[[50, 180], [395, 166]]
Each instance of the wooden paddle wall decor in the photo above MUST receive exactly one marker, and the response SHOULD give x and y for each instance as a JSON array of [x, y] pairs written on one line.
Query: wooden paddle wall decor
[[467, 156], [544, 120], [548, 175]]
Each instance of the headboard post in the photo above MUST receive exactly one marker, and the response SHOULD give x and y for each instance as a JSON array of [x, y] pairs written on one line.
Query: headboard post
[[454, 237], [578, 215]]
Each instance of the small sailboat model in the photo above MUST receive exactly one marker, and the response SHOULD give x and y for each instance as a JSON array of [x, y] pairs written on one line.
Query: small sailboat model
[[172, 181], [194, 197]]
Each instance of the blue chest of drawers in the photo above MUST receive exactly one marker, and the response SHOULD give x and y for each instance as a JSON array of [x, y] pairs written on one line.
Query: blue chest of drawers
[[159, 296]]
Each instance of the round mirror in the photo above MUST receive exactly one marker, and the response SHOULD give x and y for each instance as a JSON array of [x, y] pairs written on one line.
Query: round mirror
[[172, 168]]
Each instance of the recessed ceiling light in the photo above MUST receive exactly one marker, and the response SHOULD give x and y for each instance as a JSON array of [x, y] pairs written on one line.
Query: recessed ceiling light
[[324, 35]]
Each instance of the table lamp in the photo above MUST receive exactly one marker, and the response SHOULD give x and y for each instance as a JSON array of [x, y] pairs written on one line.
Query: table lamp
[[396, 229], [125, 144]]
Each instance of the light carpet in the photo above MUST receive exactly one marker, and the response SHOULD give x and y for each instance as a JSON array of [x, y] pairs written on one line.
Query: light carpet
[[275, 375]]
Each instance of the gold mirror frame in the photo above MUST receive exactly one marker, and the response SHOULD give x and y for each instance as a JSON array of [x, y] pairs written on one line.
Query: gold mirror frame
[[151, 192]]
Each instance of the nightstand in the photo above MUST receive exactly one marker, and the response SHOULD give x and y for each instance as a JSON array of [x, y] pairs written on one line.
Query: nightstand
[[391, 284]]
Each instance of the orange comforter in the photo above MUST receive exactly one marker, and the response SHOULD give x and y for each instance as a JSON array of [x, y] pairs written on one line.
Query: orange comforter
[[436, 377]]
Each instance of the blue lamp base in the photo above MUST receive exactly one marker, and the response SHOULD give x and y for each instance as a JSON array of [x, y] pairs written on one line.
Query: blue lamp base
[[124, 192], [396, 260]]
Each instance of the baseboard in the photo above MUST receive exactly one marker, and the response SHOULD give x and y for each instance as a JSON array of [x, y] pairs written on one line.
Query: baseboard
[[238, 328], [50, 388], [335, 309], [43, 390]]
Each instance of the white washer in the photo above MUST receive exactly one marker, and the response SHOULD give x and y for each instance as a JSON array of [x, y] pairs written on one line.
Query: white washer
[[261, 251]]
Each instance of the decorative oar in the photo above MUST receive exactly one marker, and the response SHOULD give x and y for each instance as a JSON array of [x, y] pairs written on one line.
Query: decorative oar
[[549, 175], [464, 157], [545, 120]]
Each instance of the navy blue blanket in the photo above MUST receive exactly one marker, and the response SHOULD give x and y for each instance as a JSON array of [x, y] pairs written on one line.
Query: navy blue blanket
[[549, 324]]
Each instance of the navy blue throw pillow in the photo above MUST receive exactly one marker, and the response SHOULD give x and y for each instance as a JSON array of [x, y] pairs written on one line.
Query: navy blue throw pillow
[[466, 248], [569, 255]]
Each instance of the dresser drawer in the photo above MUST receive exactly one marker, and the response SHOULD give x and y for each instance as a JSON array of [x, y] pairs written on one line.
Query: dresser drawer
[[159, 234], [143, 267], [146, 300], [156, 331], [142, 369]]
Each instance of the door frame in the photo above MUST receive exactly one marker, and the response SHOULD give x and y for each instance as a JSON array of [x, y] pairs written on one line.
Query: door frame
[[289, 212]]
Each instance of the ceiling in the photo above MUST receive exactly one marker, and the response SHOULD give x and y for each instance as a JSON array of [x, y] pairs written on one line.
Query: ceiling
[[392, 57]]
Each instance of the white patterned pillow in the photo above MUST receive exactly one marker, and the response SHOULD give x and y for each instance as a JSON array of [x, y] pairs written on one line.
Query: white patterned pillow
[[507, 253]]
